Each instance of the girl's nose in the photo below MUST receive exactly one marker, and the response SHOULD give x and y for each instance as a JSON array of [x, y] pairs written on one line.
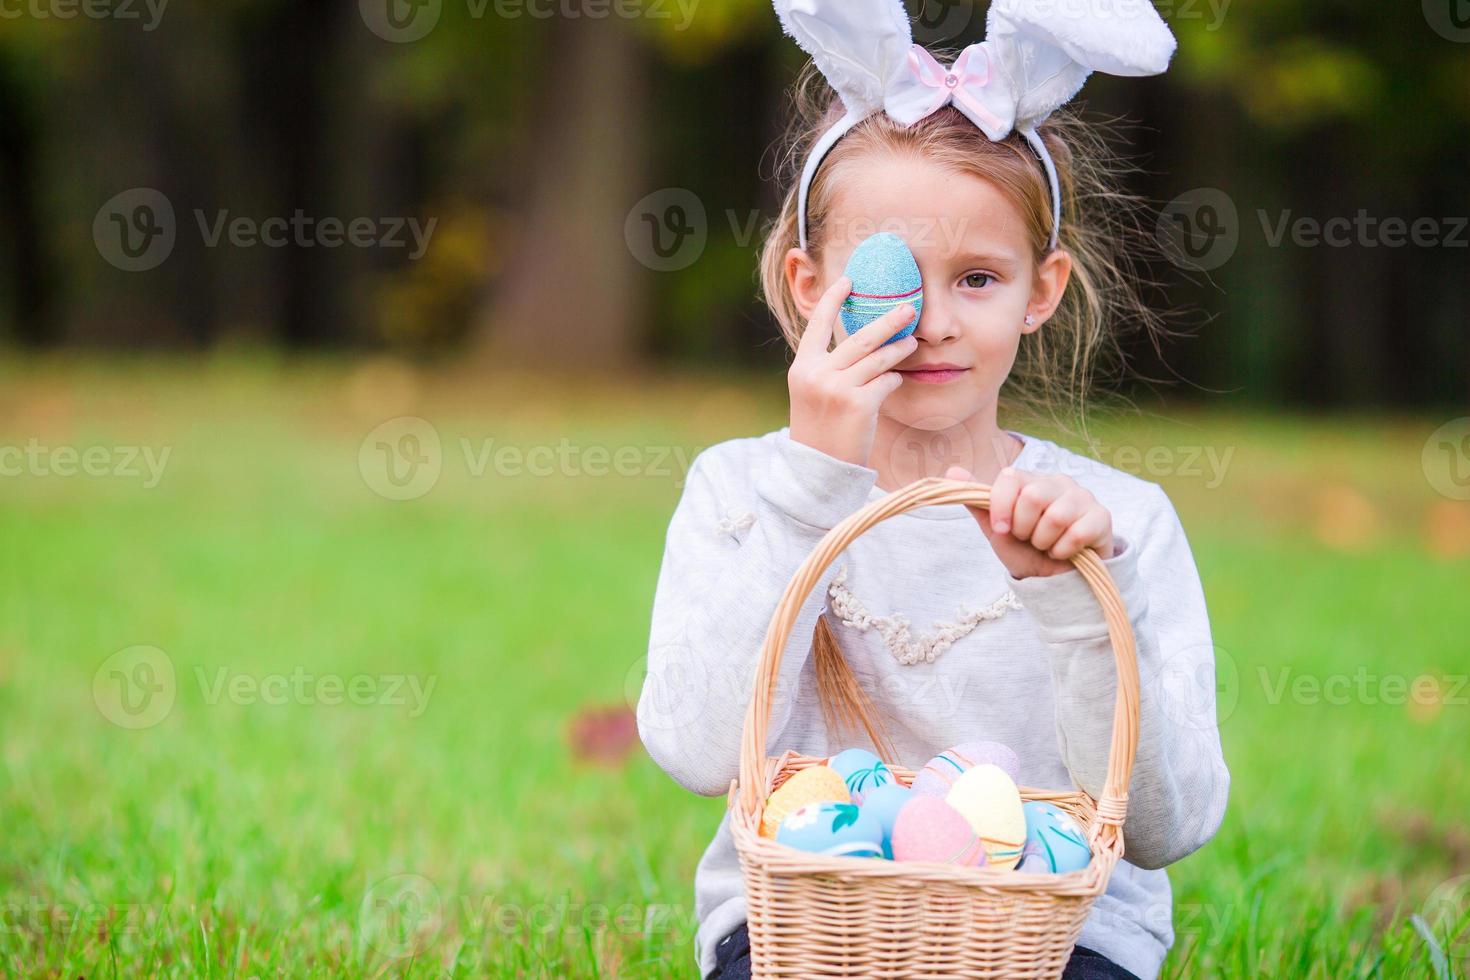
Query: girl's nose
[[936, 321]]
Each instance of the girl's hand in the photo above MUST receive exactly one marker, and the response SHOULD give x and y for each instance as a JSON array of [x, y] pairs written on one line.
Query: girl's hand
[[1037, 522], [835, 394]]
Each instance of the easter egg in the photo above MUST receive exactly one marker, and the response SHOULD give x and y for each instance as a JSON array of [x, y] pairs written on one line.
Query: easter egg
[[1054, 840], [929, 829], [987, 798], [940, 772], [862, 770], [814, 784], [834, 829], [884, 803], [884, 275]]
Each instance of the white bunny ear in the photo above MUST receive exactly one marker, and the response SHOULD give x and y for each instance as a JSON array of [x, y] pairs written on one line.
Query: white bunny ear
[[1048, 54], [858, 45]]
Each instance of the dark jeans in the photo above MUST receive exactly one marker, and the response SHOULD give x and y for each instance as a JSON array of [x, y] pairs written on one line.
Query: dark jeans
[[732, 961]]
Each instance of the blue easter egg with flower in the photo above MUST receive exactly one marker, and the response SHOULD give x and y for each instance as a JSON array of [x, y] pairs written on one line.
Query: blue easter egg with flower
[[1055, 842], [861, 770], [884, 275], [834, 829]]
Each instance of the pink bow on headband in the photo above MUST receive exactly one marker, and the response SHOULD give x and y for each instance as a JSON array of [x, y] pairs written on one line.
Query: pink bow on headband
[[967, 83]]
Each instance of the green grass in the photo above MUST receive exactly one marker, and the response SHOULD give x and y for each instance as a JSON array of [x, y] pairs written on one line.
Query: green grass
[[304, 838]]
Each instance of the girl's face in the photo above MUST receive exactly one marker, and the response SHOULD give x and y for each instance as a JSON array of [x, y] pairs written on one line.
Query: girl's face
[[980, 276]]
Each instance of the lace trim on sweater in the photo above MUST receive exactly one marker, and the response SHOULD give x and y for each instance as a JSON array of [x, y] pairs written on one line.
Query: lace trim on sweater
[[895, 629]]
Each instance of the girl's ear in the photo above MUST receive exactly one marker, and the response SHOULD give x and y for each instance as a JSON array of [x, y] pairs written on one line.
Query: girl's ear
[[1046, 292], [804, 279]]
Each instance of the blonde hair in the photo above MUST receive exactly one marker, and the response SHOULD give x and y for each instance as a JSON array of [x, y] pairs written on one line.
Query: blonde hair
[[1058, 367]]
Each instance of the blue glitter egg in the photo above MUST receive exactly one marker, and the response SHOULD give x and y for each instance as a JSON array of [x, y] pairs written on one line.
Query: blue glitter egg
[[884, 275]]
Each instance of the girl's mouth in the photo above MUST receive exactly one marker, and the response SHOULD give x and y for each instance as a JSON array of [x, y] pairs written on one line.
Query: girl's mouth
[[933, 375]]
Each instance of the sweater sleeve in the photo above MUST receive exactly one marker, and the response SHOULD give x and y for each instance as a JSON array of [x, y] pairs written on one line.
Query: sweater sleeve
[[717, 591], [1179, 784]]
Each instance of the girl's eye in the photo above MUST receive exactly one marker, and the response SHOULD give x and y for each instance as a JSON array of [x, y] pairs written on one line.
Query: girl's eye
[[978, 280]]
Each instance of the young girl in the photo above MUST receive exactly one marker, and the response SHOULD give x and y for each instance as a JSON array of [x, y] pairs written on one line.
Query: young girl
[[954, 624]]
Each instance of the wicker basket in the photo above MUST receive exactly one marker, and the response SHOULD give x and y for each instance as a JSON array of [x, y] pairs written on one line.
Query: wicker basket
[[811, 915]]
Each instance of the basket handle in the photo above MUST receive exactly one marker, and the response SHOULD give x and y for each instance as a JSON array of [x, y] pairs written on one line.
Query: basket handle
[[1113, 806]]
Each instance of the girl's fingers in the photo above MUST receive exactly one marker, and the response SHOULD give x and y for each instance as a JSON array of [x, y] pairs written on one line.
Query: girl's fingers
[[1035, 496], [1094, 528], [871, 337], [883, 385], [1058, 516], [1003, 499], [882, 360], [817, 336]]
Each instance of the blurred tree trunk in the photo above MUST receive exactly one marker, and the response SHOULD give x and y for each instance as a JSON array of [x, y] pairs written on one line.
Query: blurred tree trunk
[[28, 277], [177, 140], [289, 53], [572, 293]]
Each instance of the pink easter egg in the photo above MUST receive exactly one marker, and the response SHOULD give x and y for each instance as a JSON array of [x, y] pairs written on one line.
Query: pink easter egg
[[940, 772], [929, 829]]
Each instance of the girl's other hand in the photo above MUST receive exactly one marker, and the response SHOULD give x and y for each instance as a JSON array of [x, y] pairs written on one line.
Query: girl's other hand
[[1038, 521], [835, 395]]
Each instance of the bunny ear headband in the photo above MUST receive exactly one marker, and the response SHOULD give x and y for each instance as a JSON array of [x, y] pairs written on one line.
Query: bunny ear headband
[[1035, 57]]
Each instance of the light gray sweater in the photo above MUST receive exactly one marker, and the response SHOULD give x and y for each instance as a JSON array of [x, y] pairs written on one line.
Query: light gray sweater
[[950, 646]]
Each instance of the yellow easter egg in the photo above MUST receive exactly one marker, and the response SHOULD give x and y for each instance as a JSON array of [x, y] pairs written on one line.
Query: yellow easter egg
[[814, 784], [989, 800]]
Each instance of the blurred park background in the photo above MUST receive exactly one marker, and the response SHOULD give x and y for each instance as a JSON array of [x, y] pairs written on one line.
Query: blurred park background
[[351, 359]]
